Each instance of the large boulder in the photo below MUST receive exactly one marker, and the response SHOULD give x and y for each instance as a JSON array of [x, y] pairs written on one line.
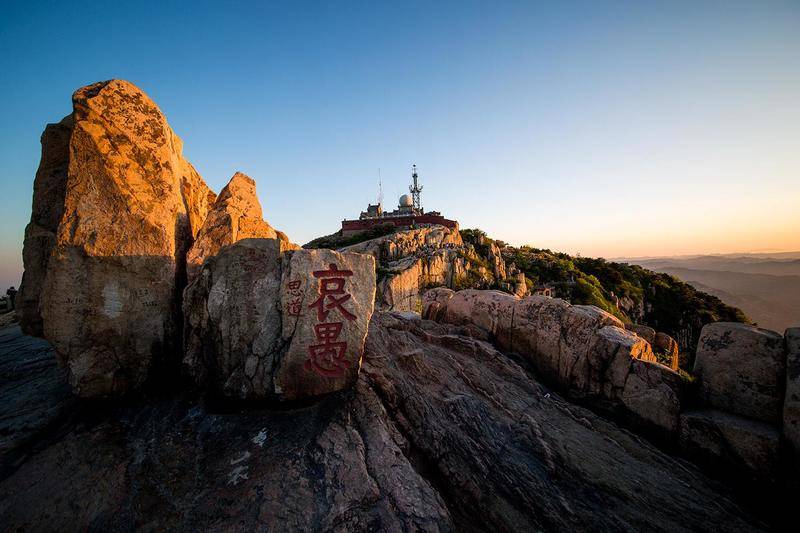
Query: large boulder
[[128, 212], [791, 405], [730, 444], [742, 370], [570, 345], [263, 320], [235, 215]]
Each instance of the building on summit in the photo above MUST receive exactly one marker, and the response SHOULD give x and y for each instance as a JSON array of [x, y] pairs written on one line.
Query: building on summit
[[409, 213]]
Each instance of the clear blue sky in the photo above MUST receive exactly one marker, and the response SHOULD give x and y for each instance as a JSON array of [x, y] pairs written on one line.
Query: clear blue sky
[[618, 128]]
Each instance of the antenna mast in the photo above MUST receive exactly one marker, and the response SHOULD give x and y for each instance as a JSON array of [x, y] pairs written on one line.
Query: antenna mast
[[415, 189], [380, 188]]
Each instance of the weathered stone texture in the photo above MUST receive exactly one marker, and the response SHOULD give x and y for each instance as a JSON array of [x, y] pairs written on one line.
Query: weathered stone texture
[[253, 329], [582, 350], [232, 319], [49, 190], [742, 370], [441, 433], [307, 368], [108, 299], [235, 215]]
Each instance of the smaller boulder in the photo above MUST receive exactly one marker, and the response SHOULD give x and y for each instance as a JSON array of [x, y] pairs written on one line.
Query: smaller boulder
[[742, 370], [491, 311], [613, 352], [653, 394], [235, 215]]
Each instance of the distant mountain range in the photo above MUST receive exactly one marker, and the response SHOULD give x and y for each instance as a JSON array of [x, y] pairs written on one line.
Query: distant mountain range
[[766, 286]]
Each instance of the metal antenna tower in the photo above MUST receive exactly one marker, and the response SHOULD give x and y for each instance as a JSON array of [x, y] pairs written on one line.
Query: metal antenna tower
[[415, 189], [380, 188]]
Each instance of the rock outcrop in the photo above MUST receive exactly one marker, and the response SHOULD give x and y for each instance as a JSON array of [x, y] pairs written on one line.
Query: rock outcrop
[[441, 433], [402, 244], [725, 418], [263, 319], [108, 282], [235, 215]]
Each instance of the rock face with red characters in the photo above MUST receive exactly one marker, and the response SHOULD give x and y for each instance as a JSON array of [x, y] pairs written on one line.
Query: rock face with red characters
[[265, 320], [327, 301]]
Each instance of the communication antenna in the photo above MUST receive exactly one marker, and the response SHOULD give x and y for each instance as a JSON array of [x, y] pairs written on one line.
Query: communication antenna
[[380, 188], [415, 189]]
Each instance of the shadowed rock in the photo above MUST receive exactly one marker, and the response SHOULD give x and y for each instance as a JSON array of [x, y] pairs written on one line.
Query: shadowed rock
[[791, 406], [49, 190], [742, 370], [441, 433]]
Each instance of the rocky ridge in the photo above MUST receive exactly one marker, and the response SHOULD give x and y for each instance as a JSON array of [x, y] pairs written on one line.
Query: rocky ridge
[[731, 415]]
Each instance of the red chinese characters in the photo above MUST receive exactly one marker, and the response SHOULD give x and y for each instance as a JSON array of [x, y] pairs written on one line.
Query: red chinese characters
[[295, 304], [327, 357]]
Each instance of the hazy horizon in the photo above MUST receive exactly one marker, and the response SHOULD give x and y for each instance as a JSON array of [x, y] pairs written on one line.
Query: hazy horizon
[[622, 130]]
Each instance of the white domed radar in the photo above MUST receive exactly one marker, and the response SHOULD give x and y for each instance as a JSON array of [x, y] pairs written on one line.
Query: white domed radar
[[406, 201]]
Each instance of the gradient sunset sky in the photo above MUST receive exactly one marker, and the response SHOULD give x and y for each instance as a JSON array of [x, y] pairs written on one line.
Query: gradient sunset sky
[[605, 128]]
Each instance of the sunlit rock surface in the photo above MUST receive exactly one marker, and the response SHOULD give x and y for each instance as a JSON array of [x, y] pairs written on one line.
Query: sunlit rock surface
[[235, 215]]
